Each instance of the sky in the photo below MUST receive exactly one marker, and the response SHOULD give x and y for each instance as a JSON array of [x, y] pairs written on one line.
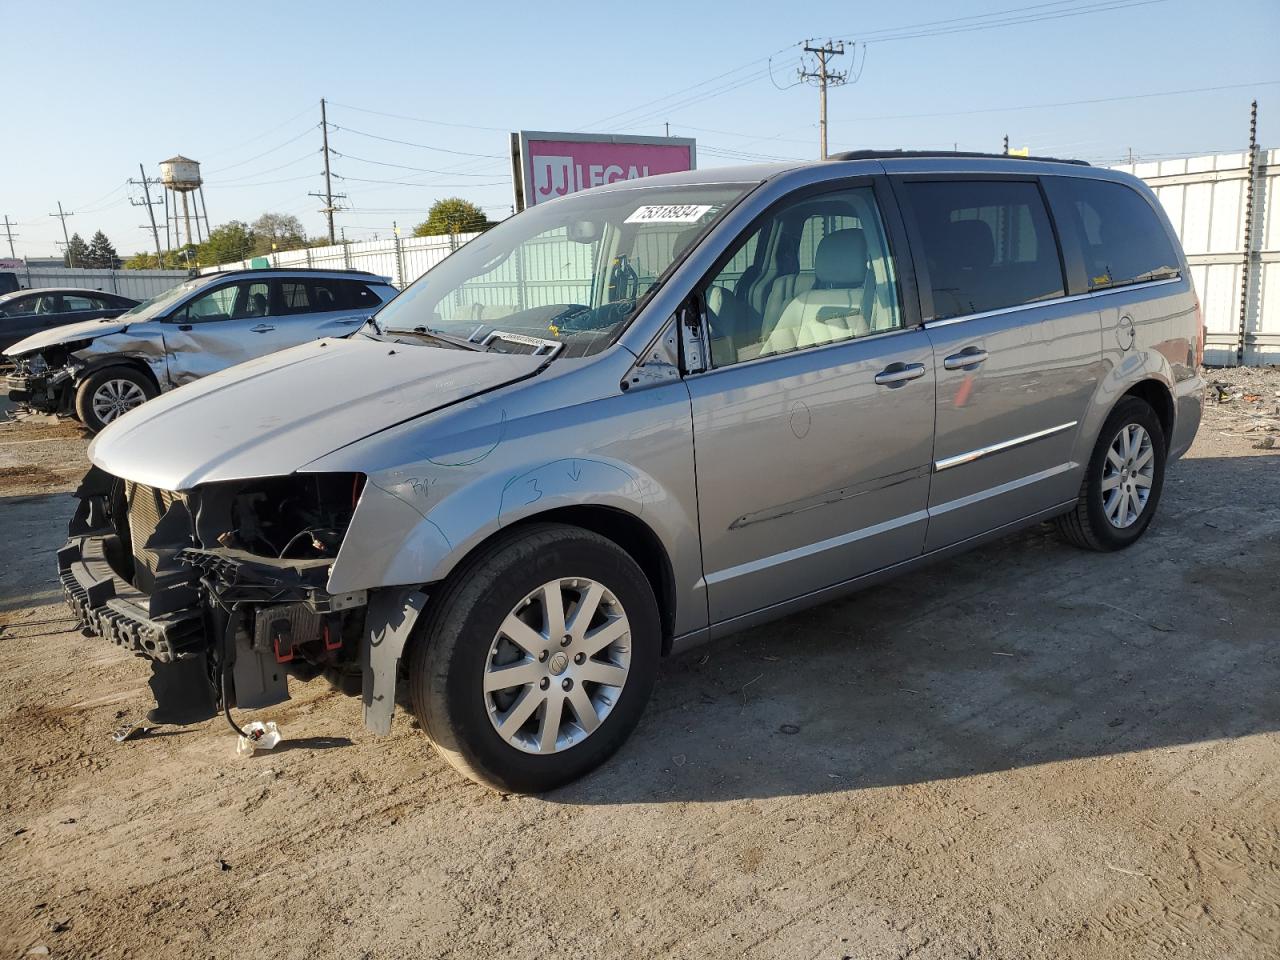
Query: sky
[[422, 95]]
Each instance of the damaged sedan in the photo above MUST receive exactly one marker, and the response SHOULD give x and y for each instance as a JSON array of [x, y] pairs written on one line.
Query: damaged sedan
[[634, 419], [96, 370]]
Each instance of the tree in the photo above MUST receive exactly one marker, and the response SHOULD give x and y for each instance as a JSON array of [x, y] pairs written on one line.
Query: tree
[[452, 215], [227, 243], [101, 253], [77, 253], [277, 231]]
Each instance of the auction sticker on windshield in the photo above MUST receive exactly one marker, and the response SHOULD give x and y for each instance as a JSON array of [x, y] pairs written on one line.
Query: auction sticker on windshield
[[670, 213]]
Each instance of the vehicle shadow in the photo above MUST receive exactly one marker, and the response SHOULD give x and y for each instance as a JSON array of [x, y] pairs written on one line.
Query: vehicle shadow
[[1024, 652]]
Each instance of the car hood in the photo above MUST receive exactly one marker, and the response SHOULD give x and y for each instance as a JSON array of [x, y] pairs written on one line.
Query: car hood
[[273, 415], [67, 333]]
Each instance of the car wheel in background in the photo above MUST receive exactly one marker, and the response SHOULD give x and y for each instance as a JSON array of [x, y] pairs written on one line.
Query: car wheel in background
[[107, 394], [1122, 484], [538, 658]]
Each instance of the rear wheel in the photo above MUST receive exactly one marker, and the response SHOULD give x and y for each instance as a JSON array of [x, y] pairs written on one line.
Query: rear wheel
[[538, 659], [1122, 483], [111, 393]]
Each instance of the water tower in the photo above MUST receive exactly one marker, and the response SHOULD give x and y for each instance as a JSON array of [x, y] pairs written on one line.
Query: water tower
[[181, 176]]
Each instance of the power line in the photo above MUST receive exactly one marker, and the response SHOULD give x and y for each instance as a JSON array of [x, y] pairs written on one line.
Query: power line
[[419, 183], [421, 146], [259, 156], [401, 166], [276, 128], [1064, 103], [903, 33], [438, 123]]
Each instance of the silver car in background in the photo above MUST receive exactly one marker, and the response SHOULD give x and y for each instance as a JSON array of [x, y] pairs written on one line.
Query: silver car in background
[[98, 369], [638, 418]]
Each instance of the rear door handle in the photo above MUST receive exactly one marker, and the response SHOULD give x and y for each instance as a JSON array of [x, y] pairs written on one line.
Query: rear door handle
[[966, 359], [896, 374], [262, 328], [349, 320]]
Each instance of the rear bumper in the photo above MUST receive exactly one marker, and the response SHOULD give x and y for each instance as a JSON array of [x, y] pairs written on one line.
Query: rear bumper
[[1188, 398]]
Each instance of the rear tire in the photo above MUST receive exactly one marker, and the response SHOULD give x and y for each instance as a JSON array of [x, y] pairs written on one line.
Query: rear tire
[[107, 394], [563, 706], [1122, 484]]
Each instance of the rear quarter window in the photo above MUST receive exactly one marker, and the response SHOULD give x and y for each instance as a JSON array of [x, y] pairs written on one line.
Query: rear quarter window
[[361, 297], [1122, 240]]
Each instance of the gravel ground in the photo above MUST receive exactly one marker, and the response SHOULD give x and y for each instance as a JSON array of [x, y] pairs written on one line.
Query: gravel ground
[[1029, 751]]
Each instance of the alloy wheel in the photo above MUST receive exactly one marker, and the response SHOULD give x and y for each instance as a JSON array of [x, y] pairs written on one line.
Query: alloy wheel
[[557, 665], [114, 397], [1127, 475]]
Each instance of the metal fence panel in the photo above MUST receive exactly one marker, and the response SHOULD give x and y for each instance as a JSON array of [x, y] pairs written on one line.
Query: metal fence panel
[[138, 284], [1206, 200]]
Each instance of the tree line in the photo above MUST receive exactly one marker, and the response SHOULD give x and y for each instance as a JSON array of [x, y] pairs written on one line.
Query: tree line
[[271, 233]]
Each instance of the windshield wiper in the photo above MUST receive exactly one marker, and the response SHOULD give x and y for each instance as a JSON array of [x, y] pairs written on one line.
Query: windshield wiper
[[441, 337]]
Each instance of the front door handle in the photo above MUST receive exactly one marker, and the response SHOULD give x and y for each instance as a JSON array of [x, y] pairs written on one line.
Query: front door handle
[[262, 328], [349, 320], [896, 374], [966, 359]]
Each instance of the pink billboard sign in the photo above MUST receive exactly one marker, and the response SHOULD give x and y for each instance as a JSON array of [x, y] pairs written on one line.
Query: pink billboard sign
[[551, 165]]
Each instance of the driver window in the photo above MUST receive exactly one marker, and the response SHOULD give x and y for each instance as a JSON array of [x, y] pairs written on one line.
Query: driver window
[[211, 307], [827, 276]]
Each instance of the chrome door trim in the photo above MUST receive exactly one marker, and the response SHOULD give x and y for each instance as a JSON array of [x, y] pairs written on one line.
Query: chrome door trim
[[947, 462], [946, 322], [809, 549], [1002, 489]]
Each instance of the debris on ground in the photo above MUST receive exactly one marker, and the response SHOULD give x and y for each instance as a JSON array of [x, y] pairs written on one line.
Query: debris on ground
[[258, 736]]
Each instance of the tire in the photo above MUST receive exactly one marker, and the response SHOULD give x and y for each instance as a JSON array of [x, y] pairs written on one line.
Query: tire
[[468, 637], [106, 394], [1099, 521]]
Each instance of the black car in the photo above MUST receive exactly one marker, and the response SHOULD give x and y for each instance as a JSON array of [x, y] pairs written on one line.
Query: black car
[[25, 312]]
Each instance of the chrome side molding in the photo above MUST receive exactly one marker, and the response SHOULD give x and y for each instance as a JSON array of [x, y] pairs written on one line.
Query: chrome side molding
[[948, 462]]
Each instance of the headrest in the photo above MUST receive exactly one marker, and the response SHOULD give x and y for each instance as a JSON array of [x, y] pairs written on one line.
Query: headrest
[[971, 244], [841, 260]]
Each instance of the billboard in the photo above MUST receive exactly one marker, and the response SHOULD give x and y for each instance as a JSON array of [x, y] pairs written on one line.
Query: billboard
[[550, 165]]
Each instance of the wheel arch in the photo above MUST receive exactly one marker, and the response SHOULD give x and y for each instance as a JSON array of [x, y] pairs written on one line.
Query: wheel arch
[[1156, 394], [633, 536], [97, 364]]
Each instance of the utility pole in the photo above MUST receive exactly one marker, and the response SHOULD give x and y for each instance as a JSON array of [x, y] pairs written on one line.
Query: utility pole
[[328, 196], [1006, 144], [66, 240], [824, 78], [667, 126], [155, 231], [8, 229]]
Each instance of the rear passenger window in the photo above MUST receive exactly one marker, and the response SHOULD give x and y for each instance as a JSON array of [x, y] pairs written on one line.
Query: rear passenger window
[[326, 295], [987, 244], [294, 297], [359, 296], [1122, 238]]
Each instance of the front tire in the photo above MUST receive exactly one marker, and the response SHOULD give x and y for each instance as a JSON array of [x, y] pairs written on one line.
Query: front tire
[[538, 659], [110, 393], [1122, 484]]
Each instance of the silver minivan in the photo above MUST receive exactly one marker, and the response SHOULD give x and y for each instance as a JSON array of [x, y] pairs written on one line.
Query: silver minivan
[[635, 419], [100, 368]]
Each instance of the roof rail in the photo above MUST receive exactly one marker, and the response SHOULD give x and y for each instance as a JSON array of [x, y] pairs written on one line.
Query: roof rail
[[940, 155]]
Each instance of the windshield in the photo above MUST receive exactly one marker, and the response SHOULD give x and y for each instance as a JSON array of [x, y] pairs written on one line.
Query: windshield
[[570, 272], [158, 304]]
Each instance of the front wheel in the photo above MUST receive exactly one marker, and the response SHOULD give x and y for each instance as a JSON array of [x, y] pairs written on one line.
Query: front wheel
[[111, 393], [1122, 483], [538, 658]]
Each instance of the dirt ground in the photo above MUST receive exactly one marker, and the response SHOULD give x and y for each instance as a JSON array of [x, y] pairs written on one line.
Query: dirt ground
[[1030, 751]]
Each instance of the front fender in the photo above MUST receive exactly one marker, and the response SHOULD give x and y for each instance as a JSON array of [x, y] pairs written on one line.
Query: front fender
[[144, 348], [402, 533]]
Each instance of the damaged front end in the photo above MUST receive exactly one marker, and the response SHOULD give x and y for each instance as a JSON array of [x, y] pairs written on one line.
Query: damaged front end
[[222, 588], [44, 381]]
